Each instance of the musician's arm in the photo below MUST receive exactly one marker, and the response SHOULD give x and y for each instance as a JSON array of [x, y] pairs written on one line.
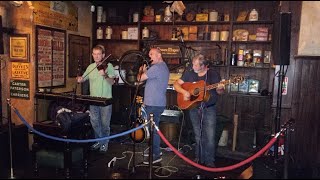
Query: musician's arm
[[220, 89], [142, 75], [177, 87], [109, 74]]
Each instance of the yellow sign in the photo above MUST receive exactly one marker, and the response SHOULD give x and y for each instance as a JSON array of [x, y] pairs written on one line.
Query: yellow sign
[[20, 70], [59, 14], [18, 47]]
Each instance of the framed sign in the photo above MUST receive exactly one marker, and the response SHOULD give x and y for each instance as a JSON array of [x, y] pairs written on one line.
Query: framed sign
[[19, 47], [20, 89], [50, 57]]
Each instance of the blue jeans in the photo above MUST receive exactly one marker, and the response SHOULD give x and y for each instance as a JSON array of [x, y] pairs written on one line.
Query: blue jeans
[[204, 127], [100, 117], [157, 111]]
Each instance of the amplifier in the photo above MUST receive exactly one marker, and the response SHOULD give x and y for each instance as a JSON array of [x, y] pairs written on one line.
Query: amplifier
[[172, 116]]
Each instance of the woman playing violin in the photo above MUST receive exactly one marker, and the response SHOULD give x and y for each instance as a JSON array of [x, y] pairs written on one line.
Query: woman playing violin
[[101, 78]]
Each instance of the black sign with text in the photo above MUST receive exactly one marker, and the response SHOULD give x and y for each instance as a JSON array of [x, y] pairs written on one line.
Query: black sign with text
[[19, 89]]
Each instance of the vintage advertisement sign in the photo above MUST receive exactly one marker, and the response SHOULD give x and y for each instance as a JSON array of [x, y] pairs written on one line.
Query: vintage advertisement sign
[[169, 51], [19, 47], [59, 14], [19, 89], [20, 70], [50, 57]]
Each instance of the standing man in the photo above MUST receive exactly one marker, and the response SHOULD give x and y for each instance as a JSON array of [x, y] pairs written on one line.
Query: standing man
[[203, 117], [157, 77], [101, 78]]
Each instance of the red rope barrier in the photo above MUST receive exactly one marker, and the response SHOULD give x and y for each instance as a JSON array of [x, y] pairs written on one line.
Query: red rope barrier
[[220, 169]]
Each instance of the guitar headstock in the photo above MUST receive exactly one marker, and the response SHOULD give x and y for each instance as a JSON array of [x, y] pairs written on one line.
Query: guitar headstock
[[237, 79]]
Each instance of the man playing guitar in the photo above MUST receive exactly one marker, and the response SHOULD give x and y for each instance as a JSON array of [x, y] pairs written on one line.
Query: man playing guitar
[[203, 113]]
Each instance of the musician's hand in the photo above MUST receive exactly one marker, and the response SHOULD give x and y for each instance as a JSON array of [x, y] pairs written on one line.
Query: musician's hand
[[143, 69], [102, 72], [186, 96], [221, 87], [79, 79]]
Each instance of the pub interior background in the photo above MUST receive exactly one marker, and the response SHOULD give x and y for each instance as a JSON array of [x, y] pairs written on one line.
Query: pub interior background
[[25, 21]]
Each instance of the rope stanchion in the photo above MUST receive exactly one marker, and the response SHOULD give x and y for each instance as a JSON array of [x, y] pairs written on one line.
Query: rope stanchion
[[151, 145], [75, 140], [10, 139], [227, 168]]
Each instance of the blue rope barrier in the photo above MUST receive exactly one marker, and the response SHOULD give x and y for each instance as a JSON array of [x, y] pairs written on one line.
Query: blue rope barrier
[[75, 140]]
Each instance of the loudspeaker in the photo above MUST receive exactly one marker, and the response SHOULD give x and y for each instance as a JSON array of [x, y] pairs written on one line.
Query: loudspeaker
[[281, 38]]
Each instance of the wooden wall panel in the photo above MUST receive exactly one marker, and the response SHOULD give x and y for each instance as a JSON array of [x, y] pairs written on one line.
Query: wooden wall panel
[[305, 111]]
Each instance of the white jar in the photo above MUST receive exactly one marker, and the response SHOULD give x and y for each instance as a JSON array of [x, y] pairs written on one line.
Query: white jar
[[145, 33], [99, 33], [253, 16], [215, 36], [124, 34], [213, 16], [108, 32]]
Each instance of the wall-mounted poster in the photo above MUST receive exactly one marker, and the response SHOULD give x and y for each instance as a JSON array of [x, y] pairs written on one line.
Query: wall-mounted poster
[[19, 47], [50, 57]]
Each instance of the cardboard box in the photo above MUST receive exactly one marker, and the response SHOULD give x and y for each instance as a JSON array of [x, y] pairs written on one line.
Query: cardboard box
[[193, 29], [201, 17], [132, 33]]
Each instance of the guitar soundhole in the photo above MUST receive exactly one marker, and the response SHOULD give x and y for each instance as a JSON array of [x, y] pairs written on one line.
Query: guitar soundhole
[[196, 92]]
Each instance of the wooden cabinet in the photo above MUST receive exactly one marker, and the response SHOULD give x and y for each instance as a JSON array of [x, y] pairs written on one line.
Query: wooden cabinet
[[217, 40]]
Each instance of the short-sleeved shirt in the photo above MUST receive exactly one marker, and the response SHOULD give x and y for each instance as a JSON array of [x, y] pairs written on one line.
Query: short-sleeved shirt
[[156, 85], [99, 86], [211, 77]]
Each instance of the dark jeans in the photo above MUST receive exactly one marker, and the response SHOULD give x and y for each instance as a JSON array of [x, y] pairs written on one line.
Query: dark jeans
[[204, 127], [157, 111]]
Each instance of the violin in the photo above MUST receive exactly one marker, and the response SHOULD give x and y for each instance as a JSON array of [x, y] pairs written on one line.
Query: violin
[[104, 64]]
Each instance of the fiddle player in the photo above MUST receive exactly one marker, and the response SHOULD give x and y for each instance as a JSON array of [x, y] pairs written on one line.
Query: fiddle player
[[101, 78]]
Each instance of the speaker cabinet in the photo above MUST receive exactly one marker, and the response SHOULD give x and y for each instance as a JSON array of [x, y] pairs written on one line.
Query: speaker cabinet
[[281, 38]]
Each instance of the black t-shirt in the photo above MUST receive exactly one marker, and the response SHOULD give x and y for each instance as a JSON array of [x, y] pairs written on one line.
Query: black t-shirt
[[211, 77]]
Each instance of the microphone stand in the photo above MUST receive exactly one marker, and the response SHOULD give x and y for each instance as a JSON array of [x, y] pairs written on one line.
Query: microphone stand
[[134, 135]]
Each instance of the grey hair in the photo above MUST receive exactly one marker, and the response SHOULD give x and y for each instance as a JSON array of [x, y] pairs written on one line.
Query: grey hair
[[200, 58]]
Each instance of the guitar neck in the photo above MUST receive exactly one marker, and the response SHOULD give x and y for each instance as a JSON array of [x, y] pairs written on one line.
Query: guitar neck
[[214, 86]]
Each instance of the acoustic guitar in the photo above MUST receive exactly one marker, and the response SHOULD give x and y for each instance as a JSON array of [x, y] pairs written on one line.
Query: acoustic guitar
[[142, 134], [199, 92]]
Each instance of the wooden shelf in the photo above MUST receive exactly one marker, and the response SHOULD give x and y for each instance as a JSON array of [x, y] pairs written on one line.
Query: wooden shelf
[[252, 22], [250, 67], [251, 42]]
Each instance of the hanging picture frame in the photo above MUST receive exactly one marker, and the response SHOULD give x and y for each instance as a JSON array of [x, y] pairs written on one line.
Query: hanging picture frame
[[19, 48], [50, 57]]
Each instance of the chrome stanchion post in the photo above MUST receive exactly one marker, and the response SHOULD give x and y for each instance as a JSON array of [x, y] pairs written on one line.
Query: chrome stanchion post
[[151, 145], [10, 138]]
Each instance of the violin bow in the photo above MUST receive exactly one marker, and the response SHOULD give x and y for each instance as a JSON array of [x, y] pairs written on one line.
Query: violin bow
[[98, 65]]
